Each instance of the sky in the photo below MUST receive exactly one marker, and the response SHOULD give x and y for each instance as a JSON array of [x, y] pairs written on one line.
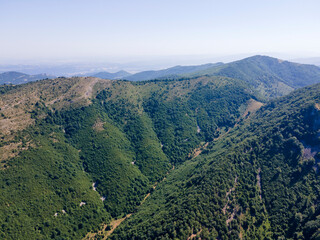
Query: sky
[[127, 30]]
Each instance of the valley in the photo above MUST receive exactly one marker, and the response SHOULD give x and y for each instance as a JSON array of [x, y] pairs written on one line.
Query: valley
[[222, 151]]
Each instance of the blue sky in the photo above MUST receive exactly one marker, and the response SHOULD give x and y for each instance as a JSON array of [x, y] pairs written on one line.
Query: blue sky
[[141, 29]]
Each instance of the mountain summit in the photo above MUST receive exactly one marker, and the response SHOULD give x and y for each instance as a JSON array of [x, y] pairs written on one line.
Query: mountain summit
[[274, 77]]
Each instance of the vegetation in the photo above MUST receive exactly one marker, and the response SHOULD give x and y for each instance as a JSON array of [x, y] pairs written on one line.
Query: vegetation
[[19, 78], [116, 144], [81, 151], [5, 88], [41, 192], [169, 72], [107, 75], [259, 182], [270, 76]]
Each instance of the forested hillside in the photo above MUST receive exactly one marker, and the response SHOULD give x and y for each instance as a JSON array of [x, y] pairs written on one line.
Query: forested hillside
[[271, 76], [261, 181], [82, 150], [77, 153]]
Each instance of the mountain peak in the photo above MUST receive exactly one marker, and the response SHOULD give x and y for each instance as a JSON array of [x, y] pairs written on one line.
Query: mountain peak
[[261, 57]]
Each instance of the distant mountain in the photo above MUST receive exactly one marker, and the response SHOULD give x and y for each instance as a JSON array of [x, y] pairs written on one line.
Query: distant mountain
[[170, 72], [18, 77], [62, 69], [107, 75], [271, 76]]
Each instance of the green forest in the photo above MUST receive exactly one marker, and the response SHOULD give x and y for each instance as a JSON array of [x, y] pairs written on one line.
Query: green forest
[[218, 157], [273, 182]]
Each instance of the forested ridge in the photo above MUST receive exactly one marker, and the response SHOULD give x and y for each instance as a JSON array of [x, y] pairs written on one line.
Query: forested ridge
[[121, 143], [261, 181], [271, 76], [78, 152]]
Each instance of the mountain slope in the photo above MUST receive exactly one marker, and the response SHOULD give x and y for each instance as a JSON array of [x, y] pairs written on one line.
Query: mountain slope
[[196, 151], [169, 72], [18, 78], [271, 76], [112, 76], [111, 147], [261, 181]]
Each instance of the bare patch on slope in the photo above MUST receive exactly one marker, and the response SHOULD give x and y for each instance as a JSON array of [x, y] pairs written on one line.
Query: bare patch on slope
[[252, 106], [259, 183], [18, 105], [98, 125], [227, 209], [194, 235], [196, 152]]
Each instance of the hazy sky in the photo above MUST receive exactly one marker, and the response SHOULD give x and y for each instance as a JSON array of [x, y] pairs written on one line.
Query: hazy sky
[[132, 29]]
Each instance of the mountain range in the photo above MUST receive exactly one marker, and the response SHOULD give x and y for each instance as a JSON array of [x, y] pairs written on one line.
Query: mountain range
[[19, 78], [227, 151], [154, 74], [169, 72], [273, 77]]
